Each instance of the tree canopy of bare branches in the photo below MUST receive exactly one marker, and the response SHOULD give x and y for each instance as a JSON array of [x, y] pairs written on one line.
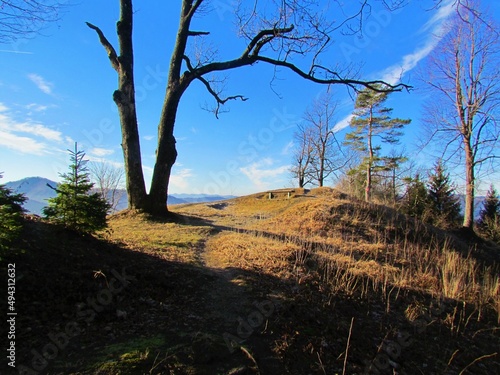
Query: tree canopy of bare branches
[[463, 111], [318, 154], [25, 18], [108, 180]]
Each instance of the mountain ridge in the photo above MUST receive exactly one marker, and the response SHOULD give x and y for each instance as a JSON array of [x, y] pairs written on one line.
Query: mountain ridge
[[37, 190]]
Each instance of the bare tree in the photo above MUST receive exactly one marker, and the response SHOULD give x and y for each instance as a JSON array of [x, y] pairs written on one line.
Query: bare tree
[[25, 18], [393, 174], [464, 77], [303, 155], [287, 35], [108, 179], [328, 156]]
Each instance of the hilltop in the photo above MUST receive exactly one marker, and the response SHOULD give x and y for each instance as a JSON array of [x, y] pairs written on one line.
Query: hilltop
[[308, 282]]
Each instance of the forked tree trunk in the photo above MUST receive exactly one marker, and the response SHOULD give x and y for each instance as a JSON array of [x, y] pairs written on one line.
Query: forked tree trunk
[[124, 97]]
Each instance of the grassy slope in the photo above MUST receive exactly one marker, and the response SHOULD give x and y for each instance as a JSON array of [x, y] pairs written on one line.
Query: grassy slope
[[315, 284]]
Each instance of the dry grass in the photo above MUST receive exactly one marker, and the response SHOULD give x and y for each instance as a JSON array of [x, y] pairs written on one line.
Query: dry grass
[[168, 240], [355, 247], [251, 252]]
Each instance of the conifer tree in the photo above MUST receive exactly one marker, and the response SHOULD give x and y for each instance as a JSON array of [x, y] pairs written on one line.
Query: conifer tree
[[444, 205], [372, 121], [75, 206], [415, 198], [489, 217], [10, 215]]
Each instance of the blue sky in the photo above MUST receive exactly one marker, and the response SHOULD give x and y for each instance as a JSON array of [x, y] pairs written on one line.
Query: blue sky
[[56, 88]]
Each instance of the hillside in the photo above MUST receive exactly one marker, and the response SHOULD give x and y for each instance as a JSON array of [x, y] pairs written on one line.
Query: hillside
[[314, 283]]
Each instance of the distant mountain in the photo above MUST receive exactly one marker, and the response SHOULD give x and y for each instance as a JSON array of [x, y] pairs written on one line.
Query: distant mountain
[[478, 205], [37, 192]]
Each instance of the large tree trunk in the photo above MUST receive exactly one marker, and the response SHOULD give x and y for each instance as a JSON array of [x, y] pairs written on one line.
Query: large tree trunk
[[124, 98], [166, 153], [469, 186]]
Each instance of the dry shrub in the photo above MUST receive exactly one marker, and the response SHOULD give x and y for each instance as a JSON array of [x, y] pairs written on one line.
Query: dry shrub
[[458, 275], [415, 310]]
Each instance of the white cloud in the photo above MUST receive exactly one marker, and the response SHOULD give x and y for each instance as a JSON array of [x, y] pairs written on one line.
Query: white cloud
[[179, 179], [31, 128], [148, 137], [41, 83], [436, 29], [441, 15], [37, 107], [263, 177], [100, 152], [22, 144], [342, 124], [287, 150], [9, 127]]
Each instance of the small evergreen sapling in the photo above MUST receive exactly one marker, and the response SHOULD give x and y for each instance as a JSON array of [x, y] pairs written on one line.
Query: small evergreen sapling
[[444, 205], [489, 217], [416, 198], [75, 206]]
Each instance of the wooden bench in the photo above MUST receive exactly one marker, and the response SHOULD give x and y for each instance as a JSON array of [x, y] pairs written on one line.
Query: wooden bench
[[288, 192]]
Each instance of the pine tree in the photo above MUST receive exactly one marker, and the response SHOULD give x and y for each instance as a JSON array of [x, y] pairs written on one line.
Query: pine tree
[[75, 206], [372, 121], [10, 215], [415, 198], [489, 217], [443, 203]]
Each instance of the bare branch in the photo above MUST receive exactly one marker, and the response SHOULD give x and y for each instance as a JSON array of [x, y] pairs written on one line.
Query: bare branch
[[198, 33], [354, 84], [113, 58]]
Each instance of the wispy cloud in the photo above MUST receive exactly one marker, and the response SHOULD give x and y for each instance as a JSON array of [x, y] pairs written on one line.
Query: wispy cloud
[[441, 15], [22, 144], [28, 144], [41, 83], [287, 150], [38, 107], [180, 179], [14, 51], [262, 174], [148, 137], [100, 152], [342, 124], [435, 29]]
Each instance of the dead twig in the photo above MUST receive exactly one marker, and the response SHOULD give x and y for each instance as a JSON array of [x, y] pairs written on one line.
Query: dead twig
[[347, 346]]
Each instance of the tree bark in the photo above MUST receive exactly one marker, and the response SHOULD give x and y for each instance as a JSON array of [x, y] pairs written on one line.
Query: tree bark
[[124, 97], [368, 188], [166, 152], [469, 186]]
